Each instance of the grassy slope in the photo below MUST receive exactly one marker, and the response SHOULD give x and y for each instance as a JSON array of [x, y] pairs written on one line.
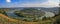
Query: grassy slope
[[6, 20]]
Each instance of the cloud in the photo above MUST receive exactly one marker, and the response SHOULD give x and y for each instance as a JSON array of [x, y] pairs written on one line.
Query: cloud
[[8, 0], [49, 3]]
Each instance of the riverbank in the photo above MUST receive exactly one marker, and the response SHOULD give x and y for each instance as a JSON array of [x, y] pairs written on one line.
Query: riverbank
[[6, 20]]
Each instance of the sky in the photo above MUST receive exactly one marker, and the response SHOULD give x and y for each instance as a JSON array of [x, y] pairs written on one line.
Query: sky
[[29, 3]]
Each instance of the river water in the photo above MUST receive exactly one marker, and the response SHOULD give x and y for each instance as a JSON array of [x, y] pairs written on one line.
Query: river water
[[12, 15]]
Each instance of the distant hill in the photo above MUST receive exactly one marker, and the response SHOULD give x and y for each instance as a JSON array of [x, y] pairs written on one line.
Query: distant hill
[[50, 9]]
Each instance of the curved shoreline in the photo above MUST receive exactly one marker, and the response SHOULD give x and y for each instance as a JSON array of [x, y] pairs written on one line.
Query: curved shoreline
[[7, 18]]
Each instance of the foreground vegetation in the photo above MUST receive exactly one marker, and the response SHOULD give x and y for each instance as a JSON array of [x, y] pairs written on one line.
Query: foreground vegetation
[[9, 21], [4, 19]]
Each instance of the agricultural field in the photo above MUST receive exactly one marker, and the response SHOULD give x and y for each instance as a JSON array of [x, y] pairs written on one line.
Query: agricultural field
[[25, 16]]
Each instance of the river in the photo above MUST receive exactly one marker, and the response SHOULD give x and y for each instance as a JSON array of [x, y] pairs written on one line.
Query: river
[[12, 15]]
